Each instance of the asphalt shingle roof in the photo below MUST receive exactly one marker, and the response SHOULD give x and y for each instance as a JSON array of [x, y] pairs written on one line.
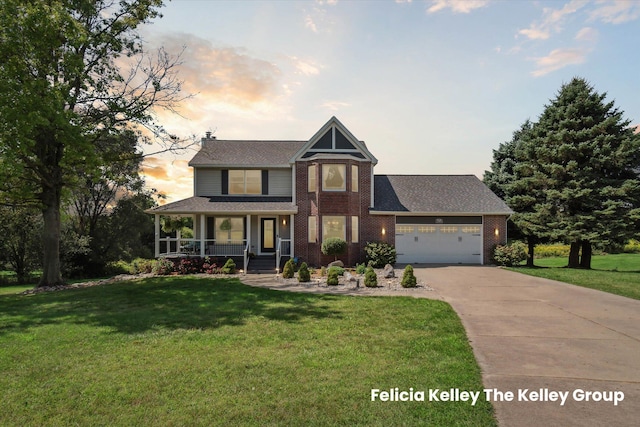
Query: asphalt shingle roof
[[426, 194], [243, 205], [245, 153]]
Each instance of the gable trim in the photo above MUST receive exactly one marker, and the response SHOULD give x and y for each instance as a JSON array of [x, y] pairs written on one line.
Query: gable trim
[[334, 123]]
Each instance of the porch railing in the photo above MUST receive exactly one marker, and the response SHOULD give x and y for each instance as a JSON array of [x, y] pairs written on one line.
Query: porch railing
[[283, 249], [171, 246]]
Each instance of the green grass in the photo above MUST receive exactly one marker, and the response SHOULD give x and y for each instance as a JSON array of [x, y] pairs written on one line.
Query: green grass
[[199, 351], [617, 274]]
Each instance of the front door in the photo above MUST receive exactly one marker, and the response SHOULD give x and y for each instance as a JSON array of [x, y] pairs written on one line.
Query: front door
[[267, 235]]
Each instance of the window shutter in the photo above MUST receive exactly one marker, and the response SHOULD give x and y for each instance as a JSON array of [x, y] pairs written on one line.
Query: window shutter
[[225, 182], [265, 182]]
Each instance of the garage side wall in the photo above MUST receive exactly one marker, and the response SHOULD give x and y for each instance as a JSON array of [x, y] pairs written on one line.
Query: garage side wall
[[495, 233]]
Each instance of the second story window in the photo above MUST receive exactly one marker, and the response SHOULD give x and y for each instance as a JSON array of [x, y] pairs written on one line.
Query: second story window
[[245, 181], [311, 178], [333, 177]]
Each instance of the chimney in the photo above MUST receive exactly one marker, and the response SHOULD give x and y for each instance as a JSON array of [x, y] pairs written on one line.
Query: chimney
[[207, 138], [208, 134]]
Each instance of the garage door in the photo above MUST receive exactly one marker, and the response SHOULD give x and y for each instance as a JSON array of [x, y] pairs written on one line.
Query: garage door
[[447, 244]]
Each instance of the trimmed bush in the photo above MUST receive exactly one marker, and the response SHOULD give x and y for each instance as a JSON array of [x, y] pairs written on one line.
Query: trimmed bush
[[339, 270], [229, 267], [380, 254], [334, 246], [163, 267], [288, 270], [370, 278], [408, 278], [510, 255], [303, 273], [323, 271], [332, 277], [361, 268]]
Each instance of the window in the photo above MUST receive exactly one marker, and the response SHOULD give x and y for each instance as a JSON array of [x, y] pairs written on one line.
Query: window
[[230, 229], [311, 179], [354, 178], [245, 181], [333, 226], [354, 229], [313, 229], [471, 229], [333, 177], [448, 230], [426, 229], [404, 229]]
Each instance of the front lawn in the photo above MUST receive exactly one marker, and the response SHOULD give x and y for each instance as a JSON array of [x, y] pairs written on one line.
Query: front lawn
[[617, 274], [200, 351]]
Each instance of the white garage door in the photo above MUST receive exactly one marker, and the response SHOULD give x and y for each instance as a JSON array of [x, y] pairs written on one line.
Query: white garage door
[[447, 244]]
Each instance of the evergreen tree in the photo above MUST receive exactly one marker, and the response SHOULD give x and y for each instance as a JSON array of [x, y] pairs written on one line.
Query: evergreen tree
[[580, 169]]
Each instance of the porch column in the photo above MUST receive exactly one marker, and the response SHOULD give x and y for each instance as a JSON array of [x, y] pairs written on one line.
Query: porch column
[[291, 236], [157, 235], [248, 243], [203, 223]]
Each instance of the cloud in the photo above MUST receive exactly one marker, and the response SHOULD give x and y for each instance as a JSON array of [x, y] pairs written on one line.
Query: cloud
[[552, 21], [305, 67], [335, 105], [308, 23], [168, 176], [616, 12], [225, 74], [557, 59], [456, 6], [587, 34]]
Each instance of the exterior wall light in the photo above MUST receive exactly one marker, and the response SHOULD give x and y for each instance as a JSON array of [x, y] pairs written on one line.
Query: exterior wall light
[[384, 232], [497, 232], [284, 221]]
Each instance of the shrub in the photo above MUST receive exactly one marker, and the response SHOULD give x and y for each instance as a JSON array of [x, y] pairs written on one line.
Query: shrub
[[554, 250], [303, 273], [141, 265], [229, 267], [380, 254], [163, 266], [339, 270], [361, 268], [633, 247], [509, 255], [334, 246], [370, 278], [189, 266], [117, 267], [408, 278], [332, 277], [288, 270], [323, 271]]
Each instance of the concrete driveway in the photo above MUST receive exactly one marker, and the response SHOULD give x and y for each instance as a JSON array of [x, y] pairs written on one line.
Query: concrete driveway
[[529, 334]]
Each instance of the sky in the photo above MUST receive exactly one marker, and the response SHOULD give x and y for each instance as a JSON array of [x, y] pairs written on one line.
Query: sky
[[432, 87]]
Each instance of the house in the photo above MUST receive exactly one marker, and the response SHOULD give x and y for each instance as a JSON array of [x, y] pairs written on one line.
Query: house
[[284, 198]]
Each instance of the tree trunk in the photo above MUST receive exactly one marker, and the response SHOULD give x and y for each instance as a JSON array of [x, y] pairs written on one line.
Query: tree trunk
[[51, 237], [531, 242], [574, 255], [587, 250]]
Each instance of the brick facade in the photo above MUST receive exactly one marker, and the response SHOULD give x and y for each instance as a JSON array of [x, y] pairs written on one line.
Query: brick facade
[[346, 203], [495, 233]]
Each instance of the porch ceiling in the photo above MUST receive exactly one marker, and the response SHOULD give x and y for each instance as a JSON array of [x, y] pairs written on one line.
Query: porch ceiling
[[200, 204]]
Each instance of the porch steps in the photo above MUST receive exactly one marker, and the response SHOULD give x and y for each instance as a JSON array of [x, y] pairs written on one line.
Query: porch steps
[[264, 264]]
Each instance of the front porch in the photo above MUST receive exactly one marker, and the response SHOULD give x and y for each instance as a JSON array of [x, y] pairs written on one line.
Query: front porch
[[260, 236]]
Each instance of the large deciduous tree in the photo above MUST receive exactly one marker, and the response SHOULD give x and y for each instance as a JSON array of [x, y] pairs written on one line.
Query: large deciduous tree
[[64, 86]]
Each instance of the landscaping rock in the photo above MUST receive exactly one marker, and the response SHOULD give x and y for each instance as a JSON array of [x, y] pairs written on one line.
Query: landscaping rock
[[337, 263], [388, 272]]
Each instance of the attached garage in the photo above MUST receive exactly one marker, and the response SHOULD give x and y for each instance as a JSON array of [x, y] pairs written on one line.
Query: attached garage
[[448, 240], [441, 219]]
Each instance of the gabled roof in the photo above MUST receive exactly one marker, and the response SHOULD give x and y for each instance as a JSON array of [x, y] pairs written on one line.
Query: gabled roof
[[435, 194], [246, 153], [334, 139], [228, 205]]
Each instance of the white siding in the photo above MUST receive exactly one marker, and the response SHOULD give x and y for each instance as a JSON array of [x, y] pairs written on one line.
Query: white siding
[[208, 182], [280, 182]]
